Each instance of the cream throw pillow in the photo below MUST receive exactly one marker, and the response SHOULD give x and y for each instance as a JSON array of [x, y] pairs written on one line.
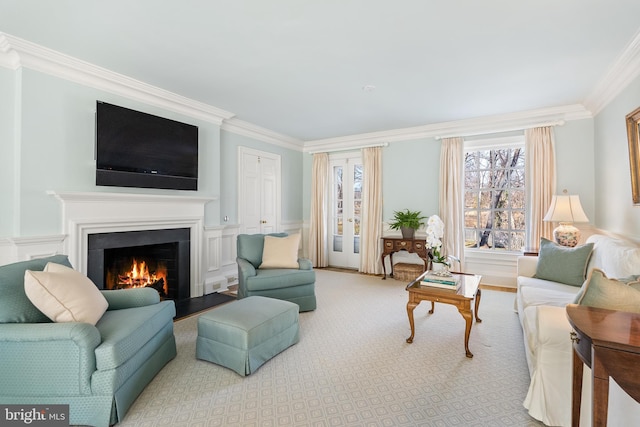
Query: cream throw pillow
[[280, 252], [64, 294]]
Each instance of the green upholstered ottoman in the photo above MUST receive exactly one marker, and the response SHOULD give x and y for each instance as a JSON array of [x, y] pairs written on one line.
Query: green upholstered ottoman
[[244, 334]]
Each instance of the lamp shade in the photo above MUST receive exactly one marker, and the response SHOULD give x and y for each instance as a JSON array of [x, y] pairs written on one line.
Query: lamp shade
[[565, 208]]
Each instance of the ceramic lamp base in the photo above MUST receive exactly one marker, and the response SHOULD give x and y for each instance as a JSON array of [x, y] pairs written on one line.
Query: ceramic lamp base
[[566, 235]]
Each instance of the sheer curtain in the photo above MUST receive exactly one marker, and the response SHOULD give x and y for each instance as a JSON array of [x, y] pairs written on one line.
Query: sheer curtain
[[318, 252], [371, 215], [540, 176], [452, 196]]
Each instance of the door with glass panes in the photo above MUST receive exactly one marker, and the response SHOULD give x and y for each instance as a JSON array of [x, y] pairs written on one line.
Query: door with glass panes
[[345, 210]]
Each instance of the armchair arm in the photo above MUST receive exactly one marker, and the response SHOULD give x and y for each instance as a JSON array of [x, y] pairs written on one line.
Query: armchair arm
[[245, 269], [130, 298], [47, 358], [305, 264]]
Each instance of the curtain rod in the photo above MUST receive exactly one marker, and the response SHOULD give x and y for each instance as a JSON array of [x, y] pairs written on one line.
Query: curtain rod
[[501, 130], [356, 147]]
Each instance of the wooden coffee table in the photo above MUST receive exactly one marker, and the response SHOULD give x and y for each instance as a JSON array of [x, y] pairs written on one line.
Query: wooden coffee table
[[468, 291]]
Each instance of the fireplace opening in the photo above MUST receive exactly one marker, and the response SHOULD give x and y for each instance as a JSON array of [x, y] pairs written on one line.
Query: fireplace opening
[[142, 266], [152, 258]]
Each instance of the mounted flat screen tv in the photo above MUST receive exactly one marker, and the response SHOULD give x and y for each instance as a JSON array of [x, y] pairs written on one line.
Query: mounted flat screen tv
[[135, 149]]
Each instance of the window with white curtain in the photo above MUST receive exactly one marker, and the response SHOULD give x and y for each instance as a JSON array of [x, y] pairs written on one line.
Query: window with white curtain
[[494, 197]]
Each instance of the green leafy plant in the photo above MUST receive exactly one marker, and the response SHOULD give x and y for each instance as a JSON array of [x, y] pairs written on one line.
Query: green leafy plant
[[406, 219]]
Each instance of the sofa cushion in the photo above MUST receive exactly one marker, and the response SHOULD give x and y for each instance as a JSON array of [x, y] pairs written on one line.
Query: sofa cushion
[[124, 332], [280, 252], [602, 292], [64, 295], [563, 264], [15, 306], [270, 279]]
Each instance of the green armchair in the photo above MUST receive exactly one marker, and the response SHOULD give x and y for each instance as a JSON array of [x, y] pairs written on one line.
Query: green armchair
[[97, 370], [295, 285]]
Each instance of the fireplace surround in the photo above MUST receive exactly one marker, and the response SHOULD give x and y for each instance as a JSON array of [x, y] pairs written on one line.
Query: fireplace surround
[[85, 214]]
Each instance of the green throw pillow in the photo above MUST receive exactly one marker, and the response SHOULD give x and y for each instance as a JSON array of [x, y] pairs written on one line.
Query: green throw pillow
[[563, 264], [601, 292]]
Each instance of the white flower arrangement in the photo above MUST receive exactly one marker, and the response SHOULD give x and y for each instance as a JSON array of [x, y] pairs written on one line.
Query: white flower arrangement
[[435, 232]]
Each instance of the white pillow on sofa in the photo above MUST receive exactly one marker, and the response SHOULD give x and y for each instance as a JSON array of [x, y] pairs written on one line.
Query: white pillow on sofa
[[64, 294], [280, 252]]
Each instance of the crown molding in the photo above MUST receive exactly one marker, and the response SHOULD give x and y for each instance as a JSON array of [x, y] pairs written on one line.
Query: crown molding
[[16, 52], [619, 75], [250, 130], [476, 126]]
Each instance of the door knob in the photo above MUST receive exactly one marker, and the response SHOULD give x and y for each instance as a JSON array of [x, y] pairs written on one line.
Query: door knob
[[263, 222], [350, 220]]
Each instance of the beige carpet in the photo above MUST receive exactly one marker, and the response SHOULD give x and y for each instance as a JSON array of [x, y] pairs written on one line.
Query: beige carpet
[[353, 367]]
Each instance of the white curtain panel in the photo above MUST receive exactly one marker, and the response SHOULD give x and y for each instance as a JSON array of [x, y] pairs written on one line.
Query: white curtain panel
[[540, 177], [371, 219], [318, 249], [452, 196]]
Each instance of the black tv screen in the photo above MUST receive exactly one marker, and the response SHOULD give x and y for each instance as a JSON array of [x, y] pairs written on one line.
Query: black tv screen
[[135, 149]]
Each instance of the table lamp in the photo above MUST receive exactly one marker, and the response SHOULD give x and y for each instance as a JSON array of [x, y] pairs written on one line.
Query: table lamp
[[566, 209]]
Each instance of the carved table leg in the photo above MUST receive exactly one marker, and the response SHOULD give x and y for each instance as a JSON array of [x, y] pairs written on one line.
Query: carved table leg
[[468, 318], [433, 306], [478, 295], [384, 268], [410, 307]]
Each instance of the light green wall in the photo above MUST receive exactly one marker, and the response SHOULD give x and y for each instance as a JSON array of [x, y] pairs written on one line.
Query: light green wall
[[614, 207], [8, 182], [410, 171], [55, 147], [291, 171], [575, 162]]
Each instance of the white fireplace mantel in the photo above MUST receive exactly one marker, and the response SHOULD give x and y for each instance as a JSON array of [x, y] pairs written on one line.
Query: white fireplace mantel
[[89, 213]]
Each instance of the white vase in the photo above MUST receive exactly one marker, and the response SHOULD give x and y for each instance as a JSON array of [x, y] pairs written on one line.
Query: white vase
[[438, 266]]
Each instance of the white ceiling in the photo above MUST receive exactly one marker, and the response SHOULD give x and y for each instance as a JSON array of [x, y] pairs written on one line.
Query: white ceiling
[[298, 67]]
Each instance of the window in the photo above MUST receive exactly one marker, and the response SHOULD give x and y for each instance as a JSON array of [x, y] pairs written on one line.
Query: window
[[494, 197]]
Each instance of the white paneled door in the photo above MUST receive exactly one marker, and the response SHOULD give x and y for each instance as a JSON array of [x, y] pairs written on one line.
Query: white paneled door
[[345, 210], [259, 188]]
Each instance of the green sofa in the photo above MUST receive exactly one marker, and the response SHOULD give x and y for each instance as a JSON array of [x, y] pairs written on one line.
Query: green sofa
[[294, 285], [98, 370]]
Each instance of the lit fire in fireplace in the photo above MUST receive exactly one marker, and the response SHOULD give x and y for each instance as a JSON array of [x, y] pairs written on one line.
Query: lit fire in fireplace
[[139, 276]]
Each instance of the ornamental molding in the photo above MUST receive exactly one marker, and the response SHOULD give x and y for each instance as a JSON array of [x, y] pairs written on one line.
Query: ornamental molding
[[619, 75], [16, 53]]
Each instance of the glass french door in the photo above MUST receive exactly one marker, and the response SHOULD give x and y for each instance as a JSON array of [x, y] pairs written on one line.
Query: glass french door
[[345, 210]]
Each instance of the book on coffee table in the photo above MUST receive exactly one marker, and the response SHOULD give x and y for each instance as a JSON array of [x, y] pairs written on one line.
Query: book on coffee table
[[445, 282]]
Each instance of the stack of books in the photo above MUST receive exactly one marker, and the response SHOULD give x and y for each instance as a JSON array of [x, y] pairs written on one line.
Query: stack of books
[[445, 282]]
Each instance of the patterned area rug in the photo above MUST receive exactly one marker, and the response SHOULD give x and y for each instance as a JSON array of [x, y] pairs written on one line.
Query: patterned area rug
[[353, 367]]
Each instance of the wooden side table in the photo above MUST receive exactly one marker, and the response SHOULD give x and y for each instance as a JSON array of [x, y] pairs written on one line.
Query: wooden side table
[[608, 342], [391, 245], [460, 298]]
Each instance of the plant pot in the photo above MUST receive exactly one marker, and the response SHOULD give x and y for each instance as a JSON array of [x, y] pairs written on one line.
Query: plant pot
[[407, 232]]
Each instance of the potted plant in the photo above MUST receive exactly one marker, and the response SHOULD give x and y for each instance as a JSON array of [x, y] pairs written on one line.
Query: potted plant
[[407, 222], [435, 232]]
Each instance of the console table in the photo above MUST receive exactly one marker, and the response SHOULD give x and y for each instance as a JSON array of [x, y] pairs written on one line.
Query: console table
[[609, 343], [391, 245]]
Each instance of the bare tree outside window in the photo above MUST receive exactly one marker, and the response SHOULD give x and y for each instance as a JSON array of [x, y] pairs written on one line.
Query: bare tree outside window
[[495, 199]]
